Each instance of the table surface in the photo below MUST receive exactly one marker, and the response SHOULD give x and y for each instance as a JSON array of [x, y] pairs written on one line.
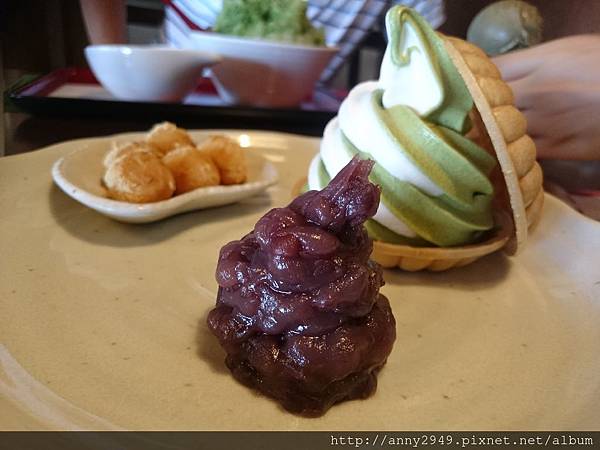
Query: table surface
[[575, 182]]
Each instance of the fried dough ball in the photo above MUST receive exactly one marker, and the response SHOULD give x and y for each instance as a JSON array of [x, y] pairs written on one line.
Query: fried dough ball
[[139, 177], [229, 158], [119, 150], [191, 169], [166, 137]]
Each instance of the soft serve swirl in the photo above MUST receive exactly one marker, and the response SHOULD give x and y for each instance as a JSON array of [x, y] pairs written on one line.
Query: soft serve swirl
[[435, 185]]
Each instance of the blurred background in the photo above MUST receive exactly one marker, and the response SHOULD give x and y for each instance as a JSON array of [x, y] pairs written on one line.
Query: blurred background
[[40, 36]]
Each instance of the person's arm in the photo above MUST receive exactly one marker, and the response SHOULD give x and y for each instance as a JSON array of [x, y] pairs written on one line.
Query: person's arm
[[557, 86], [105, 21]]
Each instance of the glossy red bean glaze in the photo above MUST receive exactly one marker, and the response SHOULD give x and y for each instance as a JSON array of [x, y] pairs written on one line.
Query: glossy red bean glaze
[[298, 310]]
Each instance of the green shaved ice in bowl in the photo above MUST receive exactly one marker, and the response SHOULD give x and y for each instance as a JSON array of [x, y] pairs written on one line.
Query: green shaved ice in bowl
[[274, 20], [505, 26], [271, 54]]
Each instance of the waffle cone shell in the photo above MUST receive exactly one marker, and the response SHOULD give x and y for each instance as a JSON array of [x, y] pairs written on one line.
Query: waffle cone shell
[[500, 128]]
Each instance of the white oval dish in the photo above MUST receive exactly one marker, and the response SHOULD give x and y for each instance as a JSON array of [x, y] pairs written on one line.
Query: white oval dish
[[79, 175]]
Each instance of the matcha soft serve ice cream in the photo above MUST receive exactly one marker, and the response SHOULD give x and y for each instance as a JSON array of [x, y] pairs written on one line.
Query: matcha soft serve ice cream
[[412, 122]]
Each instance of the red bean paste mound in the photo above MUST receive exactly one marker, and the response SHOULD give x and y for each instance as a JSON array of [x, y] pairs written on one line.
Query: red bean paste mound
[[298, 309]]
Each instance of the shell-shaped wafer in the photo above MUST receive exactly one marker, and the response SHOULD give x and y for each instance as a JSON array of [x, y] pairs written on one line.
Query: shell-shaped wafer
[[503, 128], [522, 153], [506, 127], [496, 91]]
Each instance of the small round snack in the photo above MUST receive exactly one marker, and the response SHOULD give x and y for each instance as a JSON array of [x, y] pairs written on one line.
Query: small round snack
[[191, 169], [139, 177], [229, 158], [119, 150], [502, 129], [166, 136]]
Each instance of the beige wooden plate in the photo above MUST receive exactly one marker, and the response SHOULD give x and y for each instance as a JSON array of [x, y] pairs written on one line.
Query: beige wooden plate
[[102, 323]]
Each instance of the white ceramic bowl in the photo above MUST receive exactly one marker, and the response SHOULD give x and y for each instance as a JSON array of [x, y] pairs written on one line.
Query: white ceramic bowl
[[148, 73], [263, 73], [79, 175]]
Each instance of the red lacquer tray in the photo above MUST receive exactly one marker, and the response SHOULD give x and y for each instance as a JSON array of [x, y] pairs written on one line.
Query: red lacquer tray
[[76, 92]]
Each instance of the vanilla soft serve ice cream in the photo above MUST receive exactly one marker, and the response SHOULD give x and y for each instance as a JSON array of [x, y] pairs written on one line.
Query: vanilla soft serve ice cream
[[435, 182]]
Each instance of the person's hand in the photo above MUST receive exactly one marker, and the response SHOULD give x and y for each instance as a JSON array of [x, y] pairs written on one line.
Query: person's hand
[[557, 87]]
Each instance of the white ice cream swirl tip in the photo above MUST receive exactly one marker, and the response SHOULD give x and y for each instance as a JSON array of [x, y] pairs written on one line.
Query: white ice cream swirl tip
[[435, 182]]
